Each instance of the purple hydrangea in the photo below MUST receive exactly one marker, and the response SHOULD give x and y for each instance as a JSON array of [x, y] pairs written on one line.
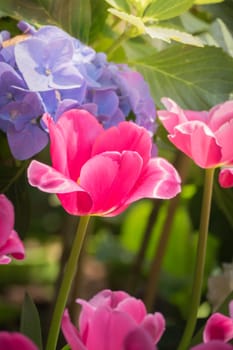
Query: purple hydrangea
[[52, 72]]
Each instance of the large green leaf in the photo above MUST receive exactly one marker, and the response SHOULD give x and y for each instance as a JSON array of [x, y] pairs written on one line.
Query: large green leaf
[[72, 15], [196, 78], [165, 9], [30, 321]]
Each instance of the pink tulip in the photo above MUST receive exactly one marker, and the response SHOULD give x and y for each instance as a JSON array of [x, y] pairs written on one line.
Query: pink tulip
[[226, 177], [213, 345], [10, 242], [113, 321], [219, 327], [101, 172], [206, 137], [15, 341]]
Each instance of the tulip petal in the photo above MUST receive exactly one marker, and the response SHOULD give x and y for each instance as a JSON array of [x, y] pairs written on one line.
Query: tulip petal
[[218, 327], [126, 136], [74, 199], [220, 114], [72, 138], [108, 328], [213, 345], [15, 341], [198, 142], [109, 177], [224, 138], [70, 333], [133, 307], [6, 218], [159, 180], [138, 340], [14, 247], [226, 177]]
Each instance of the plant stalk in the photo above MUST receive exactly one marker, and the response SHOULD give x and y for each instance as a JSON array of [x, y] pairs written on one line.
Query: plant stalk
[[200, 260], [66, 284]]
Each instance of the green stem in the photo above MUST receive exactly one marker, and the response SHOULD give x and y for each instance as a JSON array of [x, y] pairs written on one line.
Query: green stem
[[19, 172], [66, 284], [200, 260], [125, 35]]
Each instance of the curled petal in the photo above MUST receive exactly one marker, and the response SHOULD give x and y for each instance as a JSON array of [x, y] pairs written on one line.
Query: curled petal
[[154, 325], [70, 333], [218, 327], [158, 180], [226, 177]]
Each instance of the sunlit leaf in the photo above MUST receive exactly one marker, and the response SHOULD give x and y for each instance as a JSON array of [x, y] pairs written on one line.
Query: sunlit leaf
[[189, 75], [204, 2], [166, 9], [168, 34], [133, 20], [30, 321]]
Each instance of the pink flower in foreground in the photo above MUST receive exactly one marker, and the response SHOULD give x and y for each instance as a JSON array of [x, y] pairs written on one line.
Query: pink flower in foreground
[[15, 341], [113, 321], [213, 345], [10, 242], [226, 177], [100, 172], [206, 137], [219, 327]]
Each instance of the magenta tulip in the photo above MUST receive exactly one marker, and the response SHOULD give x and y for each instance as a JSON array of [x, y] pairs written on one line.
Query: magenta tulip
[[219, 327], [113, 321], [10, 242], [101, 172], [206, 137], [213, 345], [226, 177], [15, 341]]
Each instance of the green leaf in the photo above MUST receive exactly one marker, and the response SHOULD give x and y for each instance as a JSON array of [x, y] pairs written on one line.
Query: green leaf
[[189, 75], [220, 36], [30, 321], [168, 34], [120, 5], [72, 15], [166, 9]]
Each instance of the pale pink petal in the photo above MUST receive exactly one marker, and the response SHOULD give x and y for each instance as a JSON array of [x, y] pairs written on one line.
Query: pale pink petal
[[6, 218], [218, 327], [220, 114], [159, 180], [127, 136], [226, 177], [109, 177], [72, 138], [154, 325], [224, 139], [74, 199], [213, 345], [174, 115], [138, 340], [13, 246], [4, 260], [198, 142], [70, 333], [15, 341]]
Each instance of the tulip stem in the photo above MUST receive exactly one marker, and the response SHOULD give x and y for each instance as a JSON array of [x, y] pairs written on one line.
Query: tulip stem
[[200, 260], [66, 284]]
